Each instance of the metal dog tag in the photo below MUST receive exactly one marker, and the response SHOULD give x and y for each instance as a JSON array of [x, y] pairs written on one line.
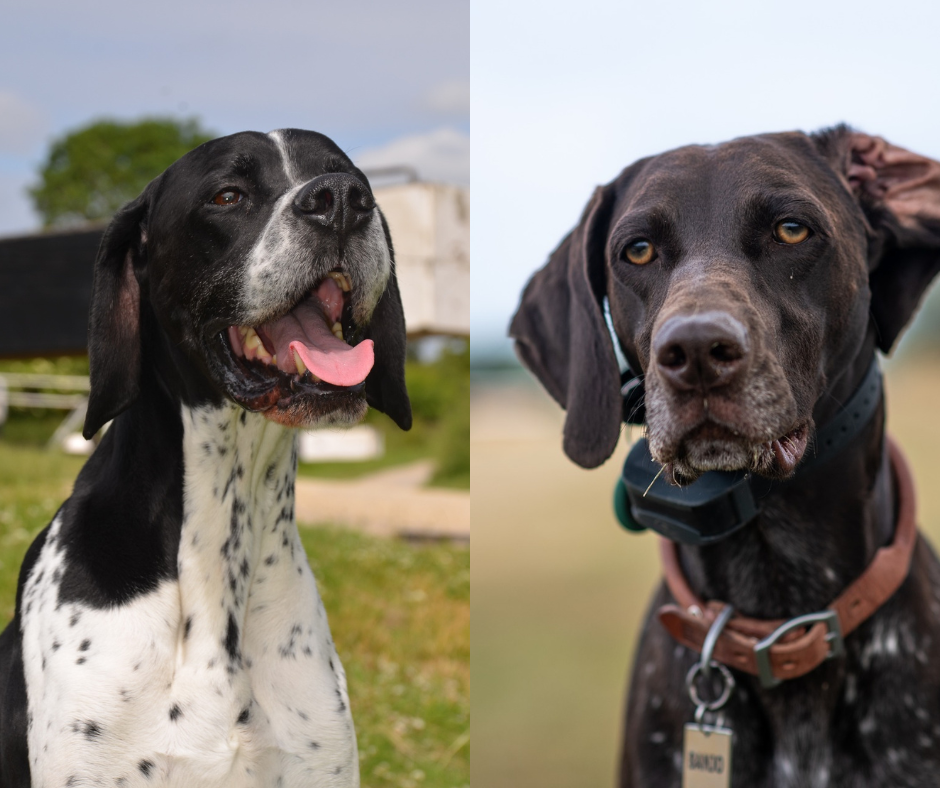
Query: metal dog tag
[[706, 757]]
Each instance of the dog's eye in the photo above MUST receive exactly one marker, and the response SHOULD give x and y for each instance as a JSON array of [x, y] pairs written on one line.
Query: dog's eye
[[790, 232], [228, 197], [640, 252]]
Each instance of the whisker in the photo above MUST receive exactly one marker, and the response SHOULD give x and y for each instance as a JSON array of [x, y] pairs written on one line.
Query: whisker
[[661, 469]]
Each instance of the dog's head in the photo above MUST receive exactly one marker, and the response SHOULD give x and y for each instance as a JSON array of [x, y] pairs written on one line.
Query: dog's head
[[743, 280], [257, 268]]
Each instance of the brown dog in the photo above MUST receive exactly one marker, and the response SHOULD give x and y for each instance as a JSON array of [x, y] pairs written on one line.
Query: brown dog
[[750, 284]]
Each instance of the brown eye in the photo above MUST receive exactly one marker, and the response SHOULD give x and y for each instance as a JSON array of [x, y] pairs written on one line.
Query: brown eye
[[790, 232], [640, 253], [228, 197]]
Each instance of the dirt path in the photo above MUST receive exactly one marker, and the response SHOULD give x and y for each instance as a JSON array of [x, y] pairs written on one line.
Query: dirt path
[[389, 503]]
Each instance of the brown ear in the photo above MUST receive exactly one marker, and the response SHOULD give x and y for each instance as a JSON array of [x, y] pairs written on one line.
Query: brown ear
[[561, 336], [114, 349], [900, 194]]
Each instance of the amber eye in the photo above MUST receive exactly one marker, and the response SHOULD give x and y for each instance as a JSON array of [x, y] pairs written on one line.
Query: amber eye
[[228, 197], [640, 252], [790, 232]]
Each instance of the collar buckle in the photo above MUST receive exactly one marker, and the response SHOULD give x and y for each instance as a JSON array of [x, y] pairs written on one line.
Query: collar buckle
[[833, 635]]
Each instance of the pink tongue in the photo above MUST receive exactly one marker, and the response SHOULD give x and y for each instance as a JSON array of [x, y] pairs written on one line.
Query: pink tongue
[[333, 361], [304, 330]]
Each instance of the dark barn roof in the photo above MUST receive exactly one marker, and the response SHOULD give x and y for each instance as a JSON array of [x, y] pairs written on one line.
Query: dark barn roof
[[45, 290]]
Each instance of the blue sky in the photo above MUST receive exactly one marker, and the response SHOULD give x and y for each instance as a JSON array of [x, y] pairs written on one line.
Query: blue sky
[[564, 95], [389, 81]]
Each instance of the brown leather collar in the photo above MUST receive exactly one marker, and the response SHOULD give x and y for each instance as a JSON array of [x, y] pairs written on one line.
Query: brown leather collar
[[777, 650]]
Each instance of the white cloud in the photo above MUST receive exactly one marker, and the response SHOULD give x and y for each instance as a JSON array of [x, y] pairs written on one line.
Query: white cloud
[[439, 155], [449, 98], [22, 126]]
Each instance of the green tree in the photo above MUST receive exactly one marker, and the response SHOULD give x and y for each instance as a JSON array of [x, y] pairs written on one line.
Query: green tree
[[92, 171]]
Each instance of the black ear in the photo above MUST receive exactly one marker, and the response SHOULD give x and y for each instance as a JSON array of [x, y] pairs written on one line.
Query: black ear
[[385, 385], [561, 336], [114, 350], [899, 192]]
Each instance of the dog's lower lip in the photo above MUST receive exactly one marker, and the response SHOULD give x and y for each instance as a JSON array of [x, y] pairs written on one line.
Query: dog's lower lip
[[698, 450], [788, 450]]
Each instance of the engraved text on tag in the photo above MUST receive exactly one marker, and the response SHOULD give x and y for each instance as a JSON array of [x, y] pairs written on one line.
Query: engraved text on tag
[[706, 757]]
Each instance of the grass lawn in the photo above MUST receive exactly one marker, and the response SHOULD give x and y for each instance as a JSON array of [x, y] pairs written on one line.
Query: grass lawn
[[401, 448], [440, 401], [33, 484], [400, 617]]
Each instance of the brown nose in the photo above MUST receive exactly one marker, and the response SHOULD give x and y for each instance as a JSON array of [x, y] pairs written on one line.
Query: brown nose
[[700, 352]]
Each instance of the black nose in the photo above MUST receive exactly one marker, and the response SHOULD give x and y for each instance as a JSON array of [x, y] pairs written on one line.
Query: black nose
[[702, 352], [336, 200]]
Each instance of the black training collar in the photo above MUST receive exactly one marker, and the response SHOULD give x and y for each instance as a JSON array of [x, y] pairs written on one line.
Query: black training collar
[[718, 503]]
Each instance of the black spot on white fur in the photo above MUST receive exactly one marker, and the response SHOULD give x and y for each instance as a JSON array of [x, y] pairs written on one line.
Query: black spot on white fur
[[87, 728], [231, 638]]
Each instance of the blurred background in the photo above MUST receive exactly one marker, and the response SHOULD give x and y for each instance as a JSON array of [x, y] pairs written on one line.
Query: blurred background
[[98, 98], [563, 97]]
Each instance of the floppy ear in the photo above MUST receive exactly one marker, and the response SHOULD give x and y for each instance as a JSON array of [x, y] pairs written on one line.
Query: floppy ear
[[899, 192], [114, 350], [385, 384], [561, 336]]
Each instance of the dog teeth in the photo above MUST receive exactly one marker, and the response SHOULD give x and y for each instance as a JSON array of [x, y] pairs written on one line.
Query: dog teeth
[[299, 363], [264, 356], [343, 280], [337, 331], [250, 343], [252, 339], [253, 347]]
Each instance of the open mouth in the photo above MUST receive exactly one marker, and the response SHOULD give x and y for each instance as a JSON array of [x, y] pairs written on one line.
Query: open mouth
[[314, 349]]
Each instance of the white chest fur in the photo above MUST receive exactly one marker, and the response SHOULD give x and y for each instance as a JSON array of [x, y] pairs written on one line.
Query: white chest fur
[[225, 677]]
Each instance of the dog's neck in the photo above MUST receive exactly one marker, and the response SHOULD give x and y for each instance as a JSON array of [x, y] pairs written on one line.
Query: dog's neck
[[241, 452], [814, 535], [238, 525], [181, 468]]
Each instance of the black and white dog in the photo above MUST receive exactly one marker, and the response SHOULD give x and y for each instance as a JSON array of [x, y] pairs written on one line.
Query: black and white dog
[[168, 630]]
